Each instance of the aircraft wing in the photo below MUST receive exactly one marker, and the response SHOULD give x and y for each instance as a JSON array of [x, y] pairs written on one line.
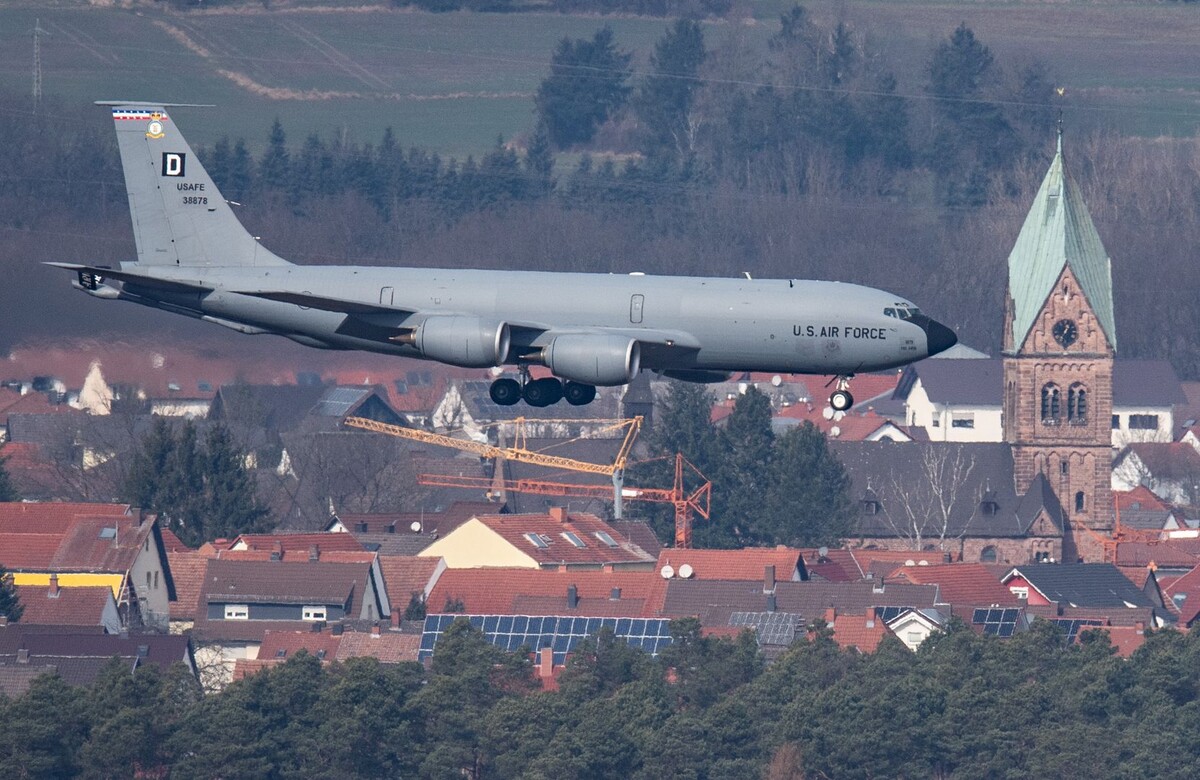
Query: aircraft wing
[[326, 303], [98, 273]]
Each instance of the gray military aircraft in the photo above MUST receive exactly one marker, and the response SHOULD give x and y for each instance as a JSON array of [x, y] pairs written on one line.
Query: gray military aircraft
[[195, 258]]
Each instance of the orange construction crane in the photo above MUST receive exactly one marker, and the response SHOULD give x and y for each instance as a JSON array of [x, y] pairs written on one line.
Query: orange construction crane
[[520, 453], [698, 500]]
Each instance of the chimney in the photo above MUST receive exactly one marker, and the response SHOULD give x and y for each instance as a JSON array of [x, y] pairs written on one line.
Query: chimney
[[22, 656], [558, 514], [572, 597], [277, 552], [375, 629], [337, 629], [546, 662], [314, 554], [1140, 627], [397, 616], [614, 594], [830, 615], [53, 586], [768, 579], [770, 602]]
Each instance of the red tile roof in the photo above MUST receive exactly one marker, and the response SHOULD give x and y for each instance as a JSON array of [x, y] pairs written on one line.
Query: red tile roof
[[388, 647], [1187, 586], [969, 584], [746, 564], [1169, 552], [187, 569], [861, 632], [172, 543], [279, 645], [1141, 497], [507, 591], [514, 528], [71, 537], [406, 575], [834, 566], [50, 516], [293, 544], [75, 606]]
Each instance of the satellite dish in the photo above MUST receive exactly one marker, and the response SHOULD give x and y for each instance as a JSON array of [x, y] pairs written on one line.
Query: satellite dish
[[822, 551], [743, 387], [416, 527], [667, 572], [910, 562], [838, 416], [835, 431], [923, 562], [686, 571], [496, 370], [776, 380], [827, 412]]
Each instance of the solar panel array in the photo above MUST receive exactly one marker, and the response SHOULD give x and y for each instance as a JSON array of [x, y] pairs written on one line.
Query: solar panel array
[[996, 621], [771, 628], [1072, 627], [337, 401], [562, 633], [888, 614]]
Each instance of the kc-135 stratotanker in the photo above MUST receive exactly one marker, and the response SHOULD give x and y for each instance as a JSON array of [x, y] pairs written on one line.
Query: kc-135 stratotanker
[[195, 258]]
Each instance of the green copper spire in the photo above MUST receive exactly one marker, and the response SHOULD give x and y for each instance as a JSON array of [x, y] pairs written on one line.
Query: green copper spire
[[1058, 232]]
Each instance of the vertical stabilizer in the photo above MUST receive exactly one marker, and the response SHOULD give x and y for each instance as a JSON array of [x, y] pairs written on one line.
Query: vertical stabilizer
[[179, 217]]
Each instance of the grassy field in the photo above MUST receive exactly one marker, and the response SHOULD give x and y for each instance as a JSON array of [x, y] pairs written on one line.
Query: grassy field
[[455, 82]]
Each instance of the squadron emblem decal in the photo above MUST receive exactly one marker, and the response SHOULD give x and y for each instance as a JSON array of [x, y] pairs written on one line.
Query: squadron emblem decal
[[155, 128]]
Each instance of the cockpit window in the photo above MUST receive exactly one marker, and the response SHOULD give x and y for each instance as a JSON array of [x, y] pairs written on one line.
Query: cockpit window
[[889, 312], [906, 312]]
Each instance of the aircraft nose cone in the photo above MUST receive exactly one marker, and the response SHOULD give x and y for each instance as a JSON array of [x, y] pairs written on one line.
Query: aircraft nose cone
[[938, 338]]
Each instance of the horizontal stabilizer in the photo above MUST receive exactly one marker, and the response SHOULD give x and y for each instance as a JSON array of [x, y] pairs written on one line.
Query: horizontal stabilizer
[[123, 276]]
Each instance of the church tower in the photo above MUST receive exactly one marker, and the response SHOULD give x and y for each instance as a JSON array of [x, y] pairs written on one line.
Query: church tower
[[1059, 342]]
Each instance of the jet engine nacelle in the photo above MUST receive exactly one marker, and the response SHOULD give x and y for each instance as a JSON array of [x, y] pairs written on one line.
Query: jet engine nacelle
[[594, 359], [463, 341]]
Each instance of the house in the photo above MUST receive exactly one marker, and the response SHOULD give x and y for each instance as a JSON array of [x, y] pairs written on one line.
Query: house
[[961, 400], [1170, 470], [553, 540], [862, 631], [50, 605], [409, 577], [79, 657], [1097, 586], [955, 498], [914, 626], [398, 523], [241, 599], [961, 585], [88, 545]]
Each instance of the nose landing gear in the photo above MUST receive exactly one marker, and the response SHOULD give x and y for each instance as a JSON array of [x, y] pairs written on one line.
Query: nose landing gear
[[841, 400]]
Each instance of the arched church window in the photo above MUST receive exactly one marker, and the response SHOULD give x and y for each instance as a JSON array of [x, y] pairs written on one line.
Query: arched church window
[[1051, 404], [1077, 404], [1079, 501], [987, 554]]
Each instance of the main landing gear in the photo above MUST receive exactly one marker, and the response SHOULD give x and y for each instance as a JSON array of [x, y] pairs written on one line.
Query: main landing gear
[[540, 392], [840, 399]]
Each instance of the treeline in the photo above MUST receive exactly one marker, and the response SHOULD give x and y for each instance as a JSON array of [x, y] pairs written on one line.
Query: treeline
[[962, 706]]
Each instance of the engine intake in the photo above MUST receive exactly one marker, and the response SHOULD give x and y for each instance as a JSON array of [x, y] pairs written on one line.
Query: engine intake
[[463, 341], [594, 359]]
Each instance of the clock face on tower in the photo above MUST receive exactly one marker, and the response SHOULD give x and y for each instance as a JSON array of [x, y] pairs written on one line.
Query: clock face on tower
[[1065, 332]]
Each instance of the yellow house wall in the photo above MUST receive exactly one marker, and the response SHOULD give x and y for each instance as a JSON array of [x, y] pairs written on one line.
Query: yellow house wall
[[69, 580], [473, 545]]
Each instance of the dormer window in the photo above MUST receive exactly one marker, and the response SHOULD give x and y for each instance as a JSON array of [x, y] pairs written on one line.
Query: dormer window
[[573, 539], [988, 505], [870, 506], [537, 541]]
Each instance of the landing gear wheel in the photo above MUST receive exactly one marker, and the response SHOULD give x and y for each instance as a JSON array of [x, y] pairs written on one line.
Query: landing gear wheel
[[578, 394], [505, 392], [543, 392], [841, 400]]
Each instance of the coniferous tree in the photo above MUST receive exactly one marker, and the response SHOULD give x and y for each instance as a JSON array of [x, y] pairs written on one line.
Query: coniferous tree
[[586, 86], [664, 104], [275, 166], [743, 478], [10, 603], [808, 502]]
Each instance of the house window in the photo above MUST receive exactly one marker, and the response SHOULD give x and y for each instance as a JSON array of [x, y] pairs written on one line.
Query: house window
[[573, 539], [1077, 405], [987, 554], [1042, 557], [870, 507], [237, 612], [156, 580], [147, 580], [1143, 422], [937, 423], [1116, 422], [1020, 592], [1079, 501], [965, 421], [537, 541], [314, 613], [1051, 404], [606, 538]]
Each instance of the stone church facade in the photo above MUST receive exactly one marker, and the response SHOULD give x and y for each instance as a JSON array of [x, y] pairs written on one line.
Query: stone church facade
[[1059, 345]]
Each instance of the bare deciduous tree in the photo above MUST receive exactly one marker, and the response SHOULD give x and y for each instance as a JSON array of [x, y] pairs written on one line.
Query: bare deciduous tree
[[922, 507]]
